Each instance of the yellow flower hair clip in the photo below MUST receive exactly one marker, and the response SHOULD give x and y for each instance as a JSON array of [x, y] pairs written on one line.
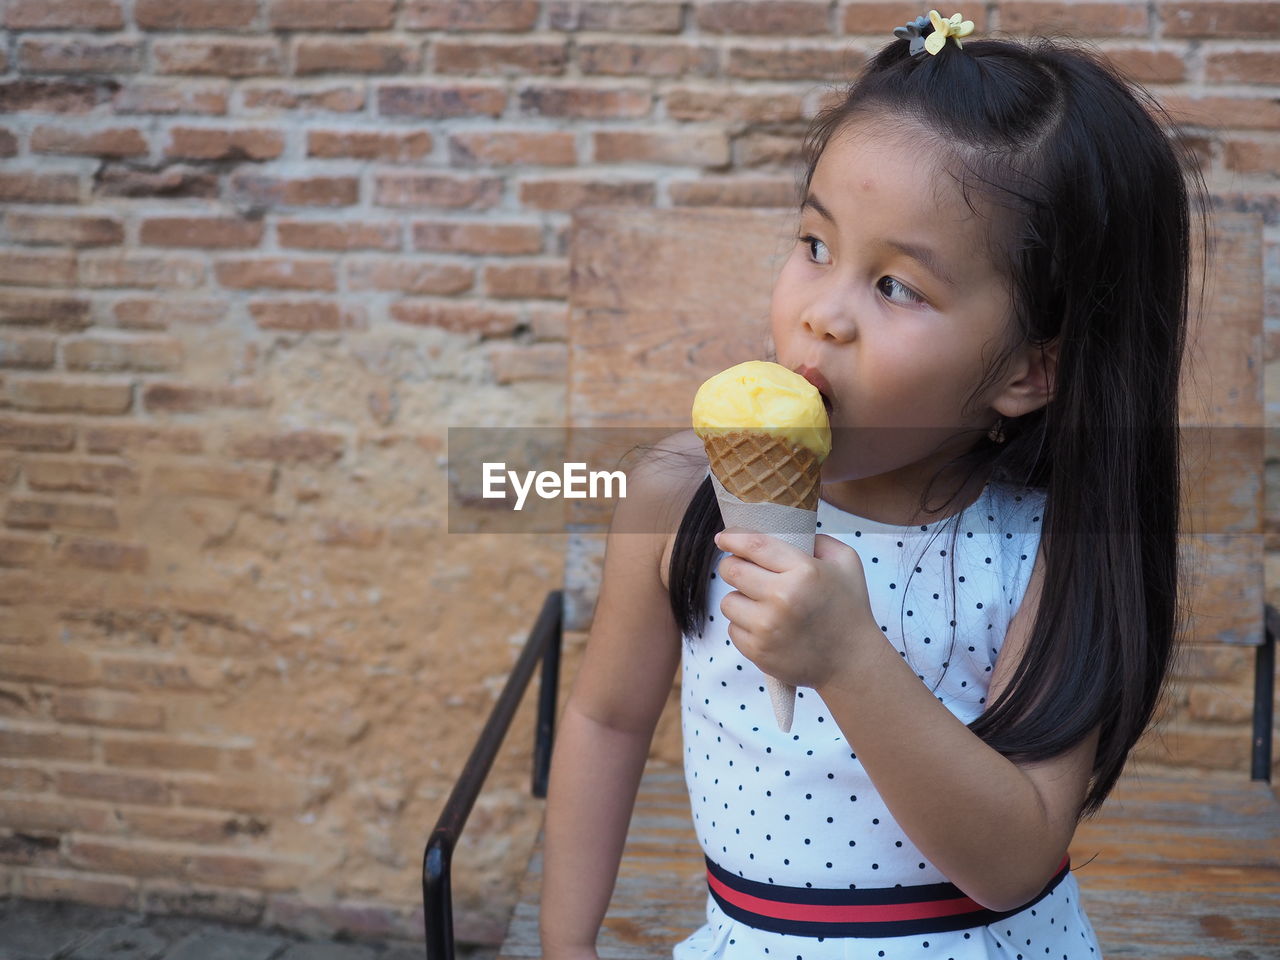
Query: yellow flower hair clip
[[954, 26]]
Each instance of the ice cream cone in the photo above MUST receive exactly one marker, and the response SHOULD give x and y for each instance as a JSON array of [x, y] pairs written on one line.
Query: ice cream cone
[[766, 434]]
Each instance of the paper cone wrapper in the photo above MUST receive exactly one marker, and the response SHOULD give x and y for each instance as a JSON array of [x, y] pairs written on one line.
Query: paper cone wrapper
[[793, 525]]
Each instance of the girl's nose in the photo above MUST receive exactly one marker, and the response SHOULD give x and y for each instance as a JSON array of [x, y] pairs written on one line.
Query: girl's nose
[[830, 317]]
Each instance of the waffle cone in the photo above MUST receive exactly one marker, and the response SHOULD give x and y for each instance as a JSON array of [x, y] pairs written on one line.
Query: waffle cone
[[758, 468]]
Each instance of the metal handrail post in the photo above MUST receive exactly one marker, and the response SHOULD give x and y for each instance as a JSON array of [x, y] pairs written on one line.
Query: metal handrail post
[[1264, 675], [437, 894]]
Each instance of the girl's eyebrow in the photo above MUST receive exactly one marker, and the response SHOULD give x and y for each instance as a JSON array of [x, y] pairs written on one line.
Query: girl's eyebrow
[[923, 255]]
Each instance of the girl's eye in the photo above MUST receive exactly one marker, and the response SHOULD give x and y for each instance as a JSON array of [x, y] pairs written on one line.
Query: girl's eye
[[814, 245], [895, 291]]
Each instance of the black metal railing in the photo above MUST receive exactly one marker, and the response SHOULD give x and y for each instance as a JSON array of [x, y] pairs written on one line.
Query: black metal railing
[[1264, 678], [543, 645]]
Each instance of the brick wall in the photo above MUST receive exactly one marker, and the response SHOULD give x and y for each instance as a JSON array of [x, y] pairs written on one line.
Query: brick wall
[[257, 255]]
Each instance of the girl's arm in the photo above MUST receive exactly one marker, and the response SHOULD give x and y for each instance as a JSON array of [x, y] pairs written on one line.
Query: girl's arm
[[997, 829], [607, 725]]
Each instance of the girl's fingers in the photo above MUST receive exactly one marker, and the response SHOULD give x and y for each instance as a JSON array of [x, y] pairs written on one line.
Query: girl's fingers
[[745, 576], [760, 548]]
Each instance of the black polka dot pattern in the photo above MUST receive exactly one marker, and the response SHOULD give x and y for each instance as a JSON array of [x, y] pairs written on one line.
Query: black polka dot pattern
[[798, 809]]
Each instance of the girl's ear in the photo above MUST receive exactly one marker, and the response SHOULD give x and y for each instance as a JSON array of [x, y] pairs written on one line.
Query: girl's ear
[[1030, 382]]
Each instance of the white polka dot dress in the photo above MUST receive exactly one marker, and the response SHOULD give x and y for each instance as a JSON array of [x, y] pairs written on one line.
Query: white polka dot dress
[[794, 817]]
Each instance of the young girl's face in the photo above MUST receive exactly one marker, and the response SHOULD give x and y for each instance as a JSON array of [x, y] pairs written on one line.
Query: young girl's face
[[891, 303]]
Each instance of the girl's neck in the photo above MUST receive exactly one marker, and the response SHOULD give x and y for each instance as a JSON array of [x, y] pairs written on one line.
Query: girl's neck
[[894, 498]]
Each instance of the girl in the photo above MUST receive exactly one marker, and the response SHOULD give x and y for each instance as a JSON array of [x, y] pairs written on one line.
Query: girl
[[989, 287]]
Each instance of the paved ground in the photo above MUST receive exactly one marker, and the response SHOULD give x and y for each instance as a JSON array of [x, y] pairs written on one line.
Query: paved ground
[[38, 930]]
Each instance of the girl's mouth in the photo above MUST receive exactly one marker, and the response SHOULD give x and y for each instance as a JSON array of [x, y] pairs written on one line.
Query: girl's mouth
[[816, 378]]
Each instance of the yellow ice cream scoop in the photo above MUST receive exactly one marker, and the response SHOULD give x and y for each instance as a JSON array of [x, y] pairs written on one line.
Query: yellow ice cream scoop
[[759, 397]]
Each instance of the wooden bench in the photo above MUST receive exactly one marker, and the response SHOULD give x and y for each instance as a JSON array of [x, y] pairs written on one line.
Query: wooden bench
[[1180, 863]]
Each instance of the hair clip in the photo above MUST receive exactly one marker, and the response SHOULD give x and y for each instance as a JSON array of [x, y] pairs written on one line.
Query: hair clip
[[915, 32], [954, 26]]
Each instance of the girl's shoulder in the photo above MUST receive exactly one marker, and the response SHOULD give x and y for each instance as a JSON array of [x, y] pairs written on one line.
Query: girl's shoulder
[[662, 478]]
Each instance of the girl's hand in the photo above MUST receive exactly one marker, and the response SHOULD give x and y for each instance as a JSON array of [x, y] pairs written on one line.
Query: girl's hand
[[798, 618]]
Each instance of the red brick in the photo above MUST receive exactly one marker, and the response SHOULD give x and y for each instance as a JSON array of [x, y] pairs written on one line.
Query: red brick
[[1239, 113], [332, 14], [45, 744], [232, 483], [513, 363], [1145, 65], [132, 438], [693, 104], [32, 350], [73, 14], [63, 95], [451, 236], [29, 187], [653, 59], [162, 754], [762, 149], [570, 193], [38, 269], [205, 829], [80, 56], [616, 16], [1216, 704], [8, 469], [549, 322], [383, 146], [163, 314], [117, 787], [770, 18], [240, 907], [531, 279], [1253, 156], [338, 235], [52, 393], [264, 191], [80, 476], [272, 98], [249, 57], [63, 313], [409, 275], [172, 182], [306, 315], [415, 190], [114, 142], [109, 555], [466, 15], [19, 551], [240, 794], [796, 62], [457, 316], [878, 18], [356, 56], [207, 232], [589, 103], [199, 98], [8, 143], [152, 674], [195, 14], [36, 434], [700, 149], [42, 514], [502, 148], [106, 711], [734, 192], [111, 892], [499, 57], [237, 144], [132, 857], [1074, 19], [36, 229], [187, 398], [1243, 66], [1224, 18], [142, 271], [276, 273], [441, 101], [297, 446], [46, 815], [140, 353], [362, 920]]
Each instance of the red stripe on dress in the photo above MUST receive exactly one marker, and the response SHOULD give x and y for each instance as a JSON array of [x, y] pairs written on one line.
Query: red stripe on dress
[[838, 913]]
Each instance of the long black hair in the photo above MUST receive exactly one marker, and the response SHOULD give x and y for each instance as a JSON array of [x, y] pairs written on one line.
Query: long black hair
[[1098, 255]]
